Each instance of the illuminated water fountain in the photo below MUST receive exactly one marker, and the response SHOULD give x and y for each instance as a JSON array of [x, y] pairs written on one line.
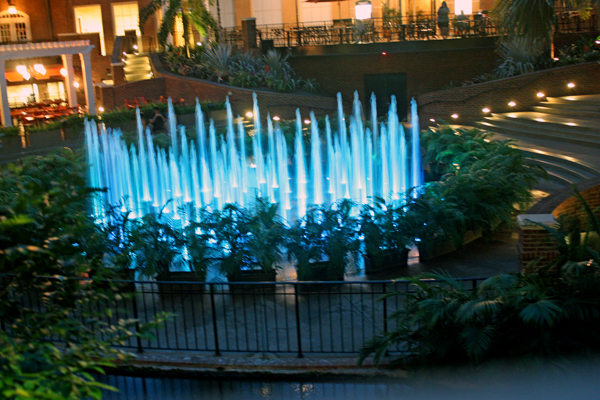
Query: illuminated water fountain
[[354, 162]]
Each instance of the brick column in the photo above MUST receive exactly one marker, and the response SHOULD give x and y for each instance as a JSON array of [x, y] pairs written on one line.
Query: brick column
[[535, 242], [5, 109], [249, 33]]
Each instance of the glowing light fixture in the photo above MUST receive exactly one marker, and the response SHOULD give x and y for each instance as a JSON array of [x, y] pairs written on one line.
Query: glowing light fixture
[[512, 104], [384, 53], [276, 118], [455, 116], [135, 46], [21, 69], [101, 109], [570, 85], [541, 95], [249, 114], [12, 9], [432, 120], [363, 9], [39, 68], [76, 84], [64, 72], [486, 110], [307, 121]]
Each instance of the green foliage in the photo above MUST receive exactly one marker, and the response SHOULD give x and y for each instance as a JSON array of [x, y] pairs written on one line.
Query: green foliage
[[518, 56], [586, 49], [48, 244], [266, 234], [241, 68], [11, 131]]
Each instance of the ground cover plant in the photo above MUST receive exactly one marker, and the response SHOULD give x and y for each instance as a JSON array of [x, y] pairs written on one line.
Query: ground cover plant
[[553, 311], [241, 68]]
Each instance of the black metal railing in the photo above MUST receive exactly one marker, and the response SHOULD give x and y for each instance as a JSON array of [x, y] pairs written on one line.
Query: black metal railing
[[282, 317], [571, 21], [345, 31]]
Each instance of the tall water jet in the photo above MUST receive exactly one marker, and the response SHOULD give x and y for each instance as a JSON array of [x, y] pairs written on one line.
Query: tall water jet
[[356, 162], [417, 172]]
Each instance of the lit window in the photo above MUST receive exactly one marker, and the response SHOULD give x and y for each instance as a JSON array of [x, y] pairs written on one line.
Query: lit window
[[14, 27]]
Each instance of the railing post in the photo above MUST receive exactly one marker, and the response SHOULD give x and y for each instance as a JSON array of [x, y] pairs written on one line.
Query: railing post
[[298, 329], [214, 319], [385, 323], [137, 323]]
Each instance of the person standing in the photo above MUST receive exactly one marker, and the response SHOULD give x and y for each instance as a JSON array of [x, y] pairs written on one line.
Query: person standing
[[443, 19], [157, 122]]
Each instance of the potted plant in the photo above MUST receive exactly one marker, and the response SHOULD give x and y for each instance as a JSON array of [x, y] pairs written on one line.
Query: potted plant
[[266, 233], [386, 236], [341, 242], [304, 245], [155, 245], [231, 227]]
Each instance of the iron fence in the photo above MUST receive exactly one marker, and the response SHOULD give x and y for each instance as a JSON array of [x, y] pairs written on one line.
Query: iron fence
[[282, 317], [347, 31]]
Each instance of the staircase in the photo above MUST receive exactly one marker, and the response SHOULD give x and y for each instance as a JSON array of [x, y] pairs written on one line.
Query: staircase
[[137, 67], [562, 134], [571, 119]]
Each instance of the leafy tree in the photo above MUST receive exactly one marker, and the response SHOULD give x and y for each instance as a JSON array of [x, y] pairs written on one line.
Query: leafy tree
[[53, 324], [190, 11], [535, 19]]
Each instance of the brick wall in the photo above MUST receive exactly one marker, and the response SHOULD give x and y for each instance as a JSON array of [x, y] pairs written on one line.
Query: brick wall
[[536, 245], [574, 208], [429, 65], [468, 101], [179, 87]]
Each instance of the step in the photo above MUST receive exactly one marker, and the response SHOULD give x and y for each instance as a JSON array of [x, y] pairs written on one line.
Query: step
[[545, 127], [137, 77], [549, 123], [571, 163], [516, 130], [137, 68], [583, 100], [570, 111], [566, 171]]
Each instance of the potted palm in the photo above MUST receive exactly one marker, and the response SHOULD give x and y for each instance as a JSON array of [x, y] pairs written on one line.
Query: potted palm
[[266, 233], [341, 242], [386, 236], [156, 244], [304, 245]]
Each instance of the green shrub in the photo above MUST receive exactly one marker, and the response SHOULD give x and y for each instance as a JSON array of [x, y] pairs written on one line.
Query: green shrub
[[10, 131]]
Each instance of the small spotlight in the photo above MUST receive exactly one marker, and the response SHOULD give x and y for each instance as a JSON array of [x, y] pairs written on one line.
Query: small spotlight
[[249, 114], [570, 85], [597, 41], [455, 116], [383, 53], [276, 118], [124, 53], [486, 110], [541, 95], [432, 119], [135, 46], [101, 109], [76, 84], [307, 121], [64, 72], [556, 58], [512, 104]]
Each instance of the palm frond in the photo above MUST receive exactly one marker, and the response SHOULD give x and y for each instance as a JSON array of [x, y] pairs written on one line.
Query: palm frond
[[147, 11]]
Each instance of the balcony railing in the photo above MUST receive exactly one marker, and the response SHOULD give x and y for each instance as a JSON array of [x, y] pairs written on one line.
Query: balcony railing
[[347, 31]]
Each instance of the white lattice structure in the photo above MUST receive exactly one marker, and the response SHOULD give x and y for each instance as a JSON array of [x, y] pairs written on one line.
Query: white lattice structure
[[46, 49]]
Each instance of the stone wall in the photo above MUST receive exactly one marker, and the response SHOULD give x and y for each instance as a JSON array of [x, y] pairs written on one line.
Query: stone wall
[[468, 101], [574, 208]]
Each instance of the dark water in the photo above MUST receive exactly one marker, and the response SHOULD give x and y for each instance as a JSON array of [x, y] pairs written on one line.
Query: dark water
[[542, 381], [136, 388]]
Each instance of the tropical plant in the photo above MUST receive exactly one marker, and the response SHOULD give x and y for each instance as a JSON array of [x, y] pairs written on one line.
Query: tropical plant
[[230, 228], [266, 234], [518, 56], [304, 244], [533, 19], [386, 234], [341, 242], [218, 60], [202, 255], [44, 259], [190, 11], [156, 244]]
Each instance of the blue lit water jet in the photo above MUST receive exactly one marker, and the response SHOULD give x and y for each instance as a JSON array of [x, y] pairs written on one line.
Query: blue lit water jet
[[358, 161]]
